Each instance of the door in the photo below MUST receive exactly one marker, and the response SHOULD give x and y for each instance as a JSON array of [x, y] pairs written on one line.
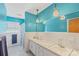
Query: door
[[74, 25]]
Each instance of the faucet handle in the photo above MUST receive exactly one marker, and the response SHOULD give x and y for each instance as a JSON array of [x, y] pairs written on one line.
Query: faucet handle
[[35, 37]]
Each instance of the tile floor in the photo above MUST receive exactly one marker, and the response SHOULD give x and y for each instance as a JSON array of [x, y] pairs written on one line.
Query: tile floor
[[18, 51]]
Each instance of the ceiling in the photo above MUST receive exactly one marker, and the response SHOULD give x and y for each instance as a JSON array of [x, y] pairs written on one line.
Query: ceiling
[[18, 9]]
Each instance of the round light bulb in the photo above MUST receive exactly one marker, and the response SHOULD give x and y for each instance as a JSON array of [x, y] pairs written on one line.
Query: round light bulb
[[44, 22], [37, 21], [56, 13]]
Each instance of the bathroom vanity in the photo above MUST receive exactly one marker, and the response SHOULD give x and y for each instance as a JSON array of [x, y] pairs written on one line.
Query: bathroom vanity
[[47, 48], [40, 50], [47, 44]]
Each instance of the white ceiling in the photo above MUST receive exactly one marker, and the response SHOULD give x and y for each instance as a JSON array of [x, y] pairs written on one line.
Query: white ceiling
[[18, 9]]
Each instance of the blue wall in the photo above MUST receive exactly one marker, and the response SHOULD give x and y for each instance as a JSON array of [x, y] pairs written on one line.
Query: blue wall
[[3, 25], [2, 12], [54, 24], [30, 23]]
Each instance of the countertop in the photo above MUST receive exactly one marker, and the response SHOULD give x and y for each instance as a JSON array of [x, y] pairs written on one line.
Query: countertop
[[53, 47]]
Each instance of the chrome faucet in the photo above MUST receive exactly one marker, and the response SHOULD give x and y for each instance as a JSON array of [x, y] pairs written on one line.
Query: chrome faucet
[[35, 37]]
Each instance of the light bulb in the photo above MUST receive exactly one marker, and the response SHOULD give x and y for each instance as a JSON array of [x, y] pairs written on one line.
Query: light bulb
[[44, 22], [56, 13], [62, 17], [37, 21]]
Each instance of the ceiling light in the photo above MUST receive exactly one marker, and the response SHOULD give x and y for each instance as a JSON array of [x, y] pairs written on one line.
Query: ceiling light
[[37, 21], [55, 13], [44, 22]]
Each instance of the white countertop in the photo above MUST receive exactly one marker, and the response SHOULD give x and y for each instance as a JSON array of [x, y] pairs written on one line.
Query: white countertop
[[53, 47], [75, 53]]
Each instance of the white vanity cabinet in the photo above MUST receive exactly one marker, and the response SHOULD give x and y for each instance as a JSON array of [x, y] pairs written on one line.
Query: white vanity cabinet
[[32, 47], [38, 50], [41, 51], [35, 49]]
